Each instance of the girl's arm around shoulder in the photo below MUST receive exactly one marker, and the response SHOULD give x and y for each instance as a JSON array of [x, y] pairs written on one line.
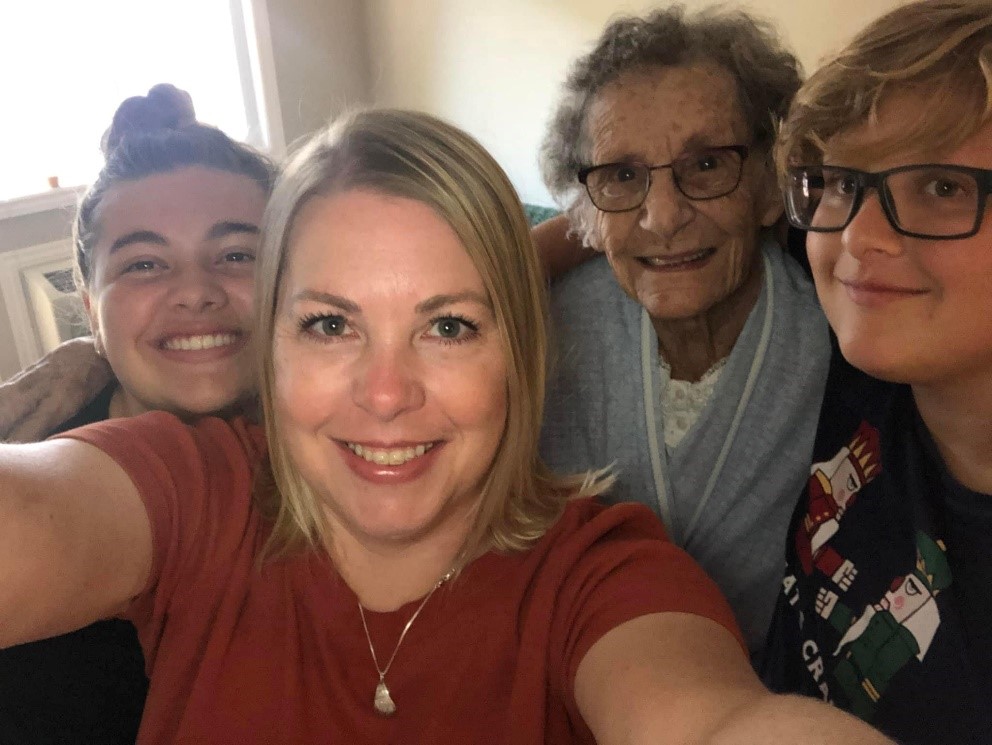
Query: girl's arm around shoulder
[[681, 678], [75, 539]]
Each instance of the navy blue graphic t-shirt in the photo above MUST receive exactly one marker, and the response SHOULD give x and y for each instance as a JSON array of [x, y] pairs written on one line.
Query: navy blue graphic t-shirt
[[887, 594]]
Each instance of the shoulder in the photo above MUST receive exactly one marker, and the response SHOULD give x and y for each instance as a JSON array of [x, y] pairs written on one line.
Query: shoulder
[[169, 438], [196, 482], [586, 522], [602, 566], [592, 538], [181, 470], [96, 410], [852, 394], [792, 280], [594, 324], [800, 334], [589, 284], [624, 552]]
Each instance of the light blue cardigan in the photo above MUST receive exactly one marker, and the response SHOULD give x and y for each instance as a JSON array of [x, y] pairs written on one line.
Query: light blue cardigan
[[726, 493]]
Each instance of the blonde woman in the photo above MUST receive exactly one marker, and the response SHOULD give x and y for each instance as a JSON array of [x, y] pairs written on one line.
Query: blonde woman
[[400, 567]]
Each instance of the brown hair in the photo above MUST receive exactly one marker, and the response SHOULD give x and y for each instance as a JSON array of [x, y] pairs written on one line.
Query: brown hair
[[152, 134], [938, 49], [416, 156]]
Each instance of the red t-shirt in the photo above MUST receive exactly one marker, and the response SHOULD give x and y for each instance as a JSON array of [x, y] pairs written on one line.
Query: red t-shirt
[[238, 654]]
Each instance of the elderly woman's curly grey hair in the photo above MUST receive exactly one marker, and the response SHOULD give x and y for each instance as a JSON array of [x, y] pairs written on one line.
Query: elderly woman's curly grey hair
[[766, 72]]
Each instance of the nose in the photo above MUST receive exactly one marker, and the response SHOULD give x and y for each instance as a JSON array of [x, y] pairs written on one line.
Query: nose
[[198, 289], [665, 210], [870, 231], [388, 381]]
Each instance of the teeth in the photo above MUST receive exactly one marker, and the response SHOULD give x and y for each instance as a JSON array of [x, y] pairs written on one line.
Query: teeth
[[203, 341], [391, 457], [660, 261]]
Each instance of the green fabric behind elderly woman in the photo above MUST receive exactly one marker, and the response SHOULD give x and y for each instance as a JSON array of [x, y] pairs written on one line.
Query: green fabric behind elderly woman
[[693, 353]]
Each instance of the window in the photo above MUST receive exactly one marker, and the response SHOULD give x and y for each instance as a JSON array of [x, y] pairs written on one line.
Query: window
[[68, 64]]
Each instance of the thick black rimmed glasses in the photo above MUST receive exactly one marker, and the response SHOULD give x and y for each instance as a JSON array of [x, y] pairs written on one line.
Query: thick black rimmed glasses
[[936, 201], [700, 175]]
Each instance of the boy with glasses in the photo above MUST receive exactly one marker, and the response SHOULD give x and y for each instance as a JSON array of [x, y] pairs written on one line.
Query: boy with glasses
[[886, 605]]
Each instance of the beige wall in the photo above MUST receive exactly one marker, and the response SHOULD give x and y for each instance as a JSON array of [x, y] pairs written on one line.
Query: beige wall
[[494, 67], [320, 53]]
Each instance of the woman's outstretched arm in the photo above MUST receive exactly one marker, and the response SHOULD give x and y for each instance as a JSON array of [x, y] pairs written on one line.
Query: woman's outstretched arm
[[680, 678], [75, 540]]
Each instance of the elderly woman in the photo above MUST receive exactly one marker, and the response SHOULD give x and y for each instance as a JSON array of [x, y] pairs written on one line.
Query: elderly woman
[[692, 354], [887, 157], [341, 587]]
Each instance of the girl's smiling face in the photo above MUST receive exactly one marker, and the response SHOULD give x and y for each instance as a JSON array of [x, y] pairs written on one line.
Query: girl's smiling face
[[171, 285]]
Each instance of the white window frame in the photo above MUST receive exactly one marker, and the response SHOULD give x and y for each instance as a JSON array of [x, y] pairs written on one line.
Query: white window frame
[[16, 296], [256, 62], [258, 77]]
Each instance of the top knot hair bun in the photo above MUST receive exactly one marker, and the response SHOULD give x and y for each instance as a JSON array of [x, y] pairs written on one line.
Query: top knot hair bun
[[166, 107]]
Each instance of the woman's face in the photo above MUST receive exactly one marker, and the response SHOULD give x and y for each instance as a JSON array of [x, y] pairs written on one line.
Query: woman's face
[[677, 257], [906, 309], [390, 377], [170, 295]]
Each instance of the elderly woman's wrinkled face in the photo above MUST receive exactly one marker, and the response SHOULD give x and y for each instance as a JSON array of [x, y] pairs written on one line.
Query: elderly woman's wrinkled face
[[680, 258]]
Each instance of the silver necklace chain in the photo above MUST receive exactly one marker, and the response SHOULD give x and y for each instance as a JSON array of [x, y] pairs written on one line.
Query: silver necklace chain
[[383, 701]]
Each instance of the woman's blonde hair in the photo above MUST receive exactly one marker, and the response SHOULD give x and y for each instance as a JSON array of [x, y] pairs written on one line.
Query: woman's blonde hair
[[940, 50], [416, 156]]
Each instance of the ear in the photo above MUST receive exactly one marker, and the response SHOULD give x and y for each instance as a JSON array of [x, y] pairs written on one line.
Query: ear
[[769, 200], [593, 241], [94, 319]]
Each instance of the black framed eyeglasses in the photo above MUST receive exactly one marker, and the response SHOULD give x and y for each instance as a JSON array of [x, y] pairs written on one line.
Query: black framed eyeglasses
[[704, 174], [936, 201]]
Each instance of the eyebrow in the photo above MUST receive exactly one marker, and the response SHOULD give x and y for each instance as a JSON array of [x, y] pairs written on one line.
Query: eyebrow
[[693, 144], [230, 227], [327, 299], [439, 301], [427, 306], [138, 236], [699, 141], [217, 231]]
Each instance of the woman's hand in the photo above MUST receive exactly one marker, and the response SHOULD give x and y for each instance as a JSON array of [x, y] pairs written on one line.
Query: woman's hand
[[42, 396]]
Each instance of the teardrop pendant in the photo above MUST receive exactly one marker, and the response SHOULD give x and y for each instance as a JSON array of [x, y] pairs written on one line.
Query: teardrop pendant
[[383, 702]]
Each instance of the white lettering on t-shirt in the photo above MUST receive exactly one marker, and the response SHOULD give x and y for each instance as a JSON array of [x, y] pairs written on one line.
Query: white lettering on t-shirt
[[788, 589]]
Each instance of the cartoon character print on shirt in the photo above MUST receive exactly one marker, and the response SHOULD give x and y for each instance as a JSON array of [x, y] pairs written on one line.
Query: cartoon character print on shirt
[[890, 632], [833, 487]]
